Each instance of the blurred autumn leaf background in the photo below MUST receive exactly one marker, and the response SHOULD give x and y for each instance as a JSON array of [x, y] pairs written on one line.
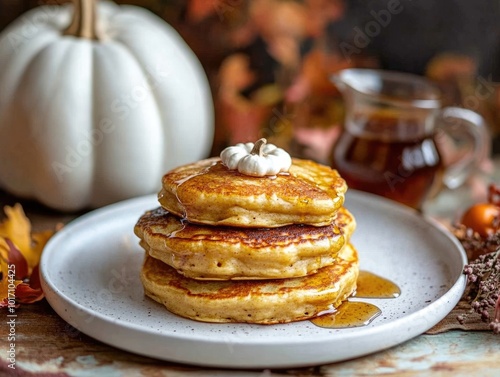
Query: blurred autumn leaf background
[[264, 54]]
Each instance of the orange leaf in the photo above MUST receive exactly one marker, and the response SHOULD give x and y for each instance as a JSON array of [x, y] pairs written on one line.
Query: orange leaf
[[20, 252], [27, 295], [17, 228], [18, 260]]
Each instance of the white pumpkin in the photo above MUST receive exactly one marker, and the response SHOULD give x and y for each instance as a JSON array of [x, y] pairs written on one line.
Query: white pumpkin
[[97, 112]]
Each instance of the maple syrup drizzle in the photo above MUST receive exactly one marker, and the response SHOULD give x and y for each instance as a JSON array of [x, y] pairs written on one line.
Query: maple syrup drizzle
[[173, 234], [184, 180], [356, 313]]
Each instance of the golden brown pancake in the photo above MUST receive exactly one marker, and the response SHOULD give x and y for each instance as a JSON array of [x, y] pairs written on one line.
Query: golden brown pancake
[[252, 301], [207, 192], [208, 252]]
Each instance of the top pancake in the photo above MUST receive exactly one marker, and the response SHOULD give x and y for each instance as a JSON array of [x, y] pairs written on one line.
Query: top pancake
[[207, 192]]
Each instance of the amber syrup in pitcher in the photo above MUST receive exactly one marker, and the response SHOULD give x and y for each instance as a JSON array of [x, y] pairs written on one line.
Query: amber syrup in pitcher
[[400, 168]]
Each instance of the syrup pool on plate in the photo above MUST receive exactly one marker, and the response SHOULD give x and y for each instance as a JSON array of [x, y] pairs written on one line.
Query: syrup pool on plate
[[370, 285], [357, 313]]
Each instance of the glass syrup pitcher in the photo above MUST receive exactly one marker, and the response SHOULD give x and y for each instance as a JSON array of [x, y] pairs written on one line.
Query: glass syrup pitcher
[[392, 128]]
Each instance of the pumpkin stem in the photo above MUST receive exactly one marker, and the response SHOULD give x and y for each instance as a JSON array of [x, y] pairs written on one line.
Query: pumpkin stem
[[258, 147], [83, 24]]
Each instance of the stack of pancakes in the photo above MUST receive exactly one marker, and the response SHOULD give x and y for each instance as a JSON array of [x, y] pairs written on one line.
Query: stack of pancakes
[[227, 247]]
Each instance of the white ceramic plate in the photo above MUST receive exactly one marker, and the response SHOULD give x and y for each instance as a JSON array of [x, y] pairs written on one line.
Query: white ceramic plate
[[90, 275]]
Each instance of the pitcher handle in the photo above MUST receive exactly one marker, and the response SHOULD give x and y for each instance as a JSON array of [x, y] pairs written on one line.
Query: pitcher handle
[[456, 120]]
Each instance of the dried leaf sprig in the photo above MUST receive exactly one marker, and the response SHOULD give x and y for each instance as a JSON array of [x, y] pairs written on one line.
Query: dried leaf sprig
[[482, 246], [483, 289]]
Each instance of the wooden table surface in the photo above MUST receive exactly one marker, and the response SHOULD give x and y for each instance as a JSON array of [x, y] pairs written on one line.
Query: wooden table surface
[[47, 346]]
